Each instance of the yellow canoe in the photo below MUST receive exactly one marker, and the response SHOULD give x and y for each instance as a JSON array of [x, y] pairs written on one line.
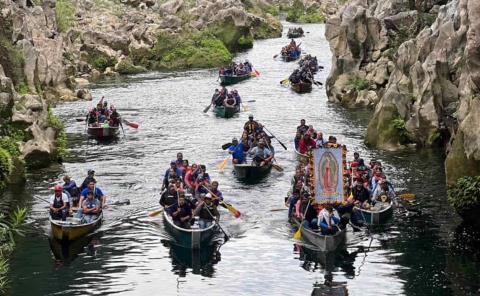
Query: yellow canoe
[[72, 229]]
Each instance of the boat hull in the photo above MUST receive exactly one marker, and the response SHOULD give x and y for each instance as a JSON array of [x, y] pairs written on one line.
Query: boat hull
[[226, 112], [287, 58], [326, 243], [294, 35], [103, 133], [375, 217], [301, 87], [251, 172], [193, 238], [66, 231], [229, 80]]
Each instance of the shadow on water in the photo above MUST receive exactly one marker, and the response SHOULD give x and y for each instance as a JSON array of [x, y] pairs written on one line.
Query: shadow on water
[[66, 252], [199, 261]]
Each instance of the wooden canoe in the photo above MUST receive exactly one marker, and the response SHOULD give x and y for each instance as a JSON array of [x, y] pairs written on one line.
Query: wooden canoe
[[301, 87], [326, 243], [103, 133], [375, 217], [303, 158], [251, 172], [71, 229], [232, 79], [193, 238], [226, 112]]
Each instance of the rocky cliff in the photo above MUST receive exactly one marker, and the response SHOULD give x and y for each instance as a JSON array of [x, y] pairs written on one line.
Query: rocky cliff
[[49, 51], [417, 64]]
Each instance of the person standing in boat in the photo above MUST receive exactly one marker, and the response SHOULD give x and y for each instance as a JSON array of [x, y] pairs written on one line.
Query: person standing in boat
[[328, 220], [302, 128], [58, 204], [260, 154], [237, 150], [207, 211], [250, 126], [90, 208], [181, 213], [90, 177]]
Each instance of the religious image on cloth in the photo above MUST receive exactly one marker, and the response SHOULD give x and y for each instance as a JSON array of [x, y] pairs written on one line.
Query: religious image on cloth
[[328, 175]]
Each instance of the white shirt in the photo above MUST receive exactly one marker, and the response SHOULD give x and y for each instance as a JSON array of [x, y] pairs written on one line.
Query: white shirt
[[325, 214], [379, 192], [64, 198]]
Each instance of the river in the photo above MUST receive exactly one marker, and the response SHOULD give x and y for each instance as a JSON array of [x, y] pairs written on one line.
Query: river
[[429, 253]]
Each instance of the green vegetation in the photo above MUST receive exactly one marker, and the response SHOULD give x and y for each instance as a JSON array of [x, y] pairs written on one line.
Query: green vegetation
[[22, 88], [9, 140], [187, 50], [399, 126], [298, 13], [246, 41], [102, 62], [10, 226], [229, 34], [11, 58], [65, 13], [359, 83], [434, 139], [61, 139], [127, 67], [464, 195]]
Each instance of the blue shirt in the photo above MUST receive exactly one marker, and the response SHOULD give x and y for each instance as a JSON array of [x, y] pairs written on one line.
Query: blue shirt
[[238, 153], [179, 173], [98, 192]]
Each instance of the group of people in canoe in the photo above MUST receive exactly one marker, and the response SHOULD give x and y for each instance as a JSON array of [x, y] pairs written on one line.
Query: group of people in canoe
[[368, 187], [236, 69], [291, 51], [310, 62], [295, 32], [84, 203], [302, 74], [255, 142], [226, 98], [103, 115], [189, 192]]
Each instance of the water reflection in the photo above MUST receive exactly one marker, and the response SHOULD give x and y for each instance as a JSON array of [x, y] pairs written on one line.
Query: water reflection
[[66, 252], [199, 261]]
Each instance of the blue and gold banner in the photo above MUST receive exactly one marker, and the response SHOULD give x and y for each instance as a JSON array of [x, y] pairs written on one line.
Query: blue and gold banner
[[328, 174]]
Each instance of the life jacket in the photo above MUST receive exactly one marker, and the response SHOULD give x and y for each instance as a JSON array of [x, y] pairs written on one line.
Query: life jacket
[[58, 203]]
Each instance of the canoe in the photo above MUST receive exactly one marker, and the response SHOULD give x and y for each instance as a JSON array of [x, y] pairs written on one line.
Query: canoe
[[375, 217], [294, 35], [326, 243], [71, 229], [251, 172], [232, 79], [101, 132], [193, 238], [301, 87], [303, 158], [226, 112], [288, 58]]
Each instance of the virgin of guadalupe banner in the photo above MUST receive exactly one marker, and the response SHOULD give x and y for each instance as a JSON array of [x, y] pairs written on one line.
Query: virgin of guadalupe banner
[[328, 174]]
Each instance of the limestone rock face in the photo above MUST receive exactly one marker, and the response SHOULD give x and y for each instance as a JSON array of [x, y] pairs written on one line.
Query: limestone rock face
[[422, 61]]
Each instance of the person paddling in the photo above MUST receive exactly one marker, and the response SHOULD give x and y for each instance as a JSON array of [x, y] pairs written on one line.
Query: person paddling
[[237, 150], [181, 213], [207, 211]]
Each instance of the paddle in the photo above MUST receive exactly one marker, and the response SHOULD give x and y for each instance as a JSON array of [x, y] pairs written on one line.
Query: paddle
[[218, 224], [236, 213], [223, 164], [407, 196], [275, 166], [284, 147], [131, 123], [275, 56], [123, 131], [317, 83], [285, 82], [207, 108], [298, 233], [226, 146], [245, 107], [156, 213]]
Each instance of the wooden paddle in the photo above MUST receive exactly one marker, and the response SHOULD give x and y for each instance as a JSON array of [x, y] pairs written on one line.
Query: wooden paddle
[[207, 108], [298, 234], [275, 166], [275, 56], [223, 164], [226, 146], [284, 147], [156, 213], [236, 213], [407, 196], [218, 224]]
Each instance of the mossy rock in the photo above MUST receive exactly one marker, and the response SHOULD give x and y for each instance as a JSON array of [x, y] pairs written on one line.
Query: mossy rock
[[5, 167], [384, 130], [464, 196], [270, 28], [457, 164], [126, 66], [230, 35]]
